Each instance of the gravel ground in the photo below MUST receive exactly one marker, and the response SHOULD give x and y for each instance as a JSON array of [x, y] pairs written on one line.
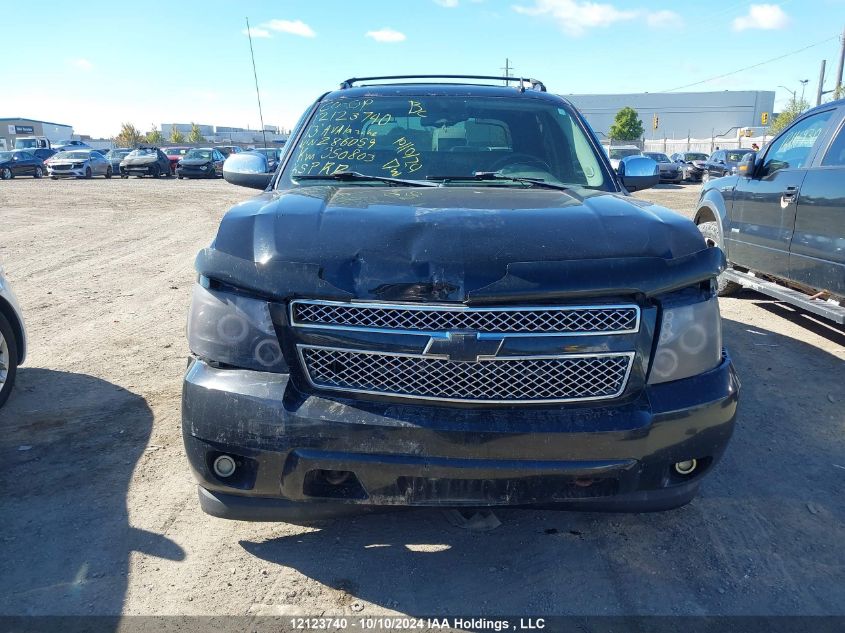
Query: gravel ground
[[101, 513]]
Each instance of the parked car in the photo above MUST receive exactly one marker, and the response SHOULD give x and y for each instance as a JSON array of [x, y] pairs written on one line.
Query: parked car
[[115, 157], [781, 219], [70, 144], [78, 163], [203, 162], [42, 153], [272, 154], [617, 153], [12, 338], [145, 161], [723, 162], [691, 163], [174, 155], [670, 171], [394, 322], [20, 163], [229, 149]]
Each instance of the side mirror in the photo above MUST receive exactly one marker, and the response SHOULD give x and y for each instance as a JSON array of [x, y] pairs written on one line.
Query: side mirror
[[746, 167], [638, 172], [247, 169]]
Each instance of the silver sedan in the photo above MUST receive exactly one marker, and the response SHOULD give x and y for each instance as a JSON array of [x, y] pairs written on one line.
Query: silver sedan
[[79, 163], [12, 338]]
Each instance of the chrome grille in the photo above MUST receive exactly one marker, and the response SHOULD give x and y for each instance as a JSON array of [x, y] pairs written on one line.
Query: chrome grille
[[505, 379], [613, 319]]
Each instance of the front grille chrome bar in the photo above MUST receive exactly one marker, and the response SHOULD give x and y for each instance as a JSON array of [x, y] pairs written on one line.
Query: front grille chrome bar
[[586, 320]]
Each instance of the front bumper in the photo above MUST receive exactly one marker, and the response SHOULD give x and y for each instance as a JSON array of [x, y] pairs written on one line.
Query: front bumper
[[593, 456], [137, 170], [195, 172], [78, 172]]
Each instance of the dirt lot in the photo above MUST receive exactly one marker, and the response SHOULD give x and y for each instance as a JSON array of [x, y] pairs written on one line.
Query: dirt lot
[[100, 512]]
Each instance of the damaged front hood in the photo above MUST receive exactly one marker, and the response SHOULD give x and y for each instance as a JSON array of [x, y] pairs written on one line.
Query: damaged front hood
[[454, 244]]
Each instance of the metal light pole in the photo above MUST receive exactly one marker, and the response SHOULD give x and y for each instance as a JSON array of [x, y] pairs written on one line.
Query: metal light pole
[[803, 83], [792, 92]]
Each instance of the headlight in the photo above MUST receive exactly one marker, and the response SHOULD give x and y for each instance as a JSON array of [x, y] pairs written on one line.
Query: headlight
[[233, 330], [690, 341]]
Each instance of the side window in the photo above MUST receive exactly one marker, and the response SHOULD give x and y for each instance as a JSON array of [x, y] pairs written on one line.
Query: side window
[[836, 152], [715, 157], [792, 148]]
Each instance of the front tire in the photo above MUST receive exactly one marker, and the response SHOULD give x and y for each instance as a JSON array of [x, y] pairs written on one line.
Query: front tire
[[713, 238], [705, 177], [6, 174], [39, 172], [108, 172], [88, 172], [8, 359], [155, 171]]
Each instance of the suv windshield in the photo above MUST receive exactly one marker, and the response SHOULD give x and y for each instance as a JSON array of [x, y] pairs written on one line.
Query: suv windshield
[[737, 155], [693, 156], [431, 136], [660, 158], [199, 153], [616, 152], [142, 151]]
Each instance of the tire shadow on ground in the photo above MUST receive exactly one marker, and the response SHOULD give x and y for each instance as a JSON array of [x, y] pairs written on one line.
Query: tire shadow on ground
[[69, 445]]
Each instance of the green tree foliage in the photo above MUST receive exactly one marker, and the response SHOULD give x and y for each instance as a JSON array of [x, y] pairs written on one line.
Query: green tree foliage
[[175, 135], [155, 137], [793, 109], [194, 136], [129, 136], [627, 126]]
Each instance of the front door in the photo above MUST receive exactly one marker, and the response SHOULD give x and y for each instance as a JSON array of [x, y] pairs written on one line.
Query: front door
[[763, 218]]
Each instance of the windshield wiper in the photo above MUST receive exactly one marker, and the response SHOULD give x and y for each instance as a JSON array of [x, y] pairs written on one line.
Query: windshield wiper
[[354, 176], [492, 175]]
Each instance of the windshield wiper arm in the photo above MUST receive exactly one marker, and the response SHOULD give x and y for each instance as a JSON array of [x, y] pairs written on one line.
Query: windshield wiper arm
[[352, 176], [492, 175]]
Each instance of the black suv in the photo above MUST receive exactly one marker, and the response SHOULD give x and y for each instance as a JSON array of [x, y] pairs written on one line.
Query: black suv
[[781, 219], [445, 297], [723, 162]]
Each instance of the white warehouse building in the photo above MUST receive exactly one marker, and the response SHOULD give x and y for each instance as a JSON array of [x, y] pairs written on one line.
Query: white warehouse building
[[680, 115]]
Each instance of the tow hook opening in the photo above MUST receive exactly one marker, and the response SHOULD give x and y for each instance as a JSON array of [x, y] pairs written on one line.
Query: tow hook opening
[[333, 484]]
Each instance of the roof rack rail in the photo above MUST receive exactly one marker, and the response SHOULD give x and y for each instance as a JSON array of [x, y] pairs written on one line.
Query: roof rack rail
[[536, 84]]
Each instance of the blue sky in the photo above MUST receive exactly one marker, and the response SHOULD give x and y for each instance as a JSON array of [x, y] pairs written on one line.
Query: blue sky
[[96, 64]]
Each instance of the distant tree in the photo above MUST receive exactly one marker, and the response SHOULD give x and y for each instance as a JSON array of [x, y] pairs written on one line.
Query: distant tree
[[837, 93], [627, 126], [195, 136], [175, 135], [129, 136], [794, 107], [155, 137]]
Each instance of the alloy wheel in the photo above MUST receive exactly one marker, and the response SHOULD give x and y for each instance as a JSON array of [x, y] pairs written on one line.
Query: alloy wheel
[[4, 361]]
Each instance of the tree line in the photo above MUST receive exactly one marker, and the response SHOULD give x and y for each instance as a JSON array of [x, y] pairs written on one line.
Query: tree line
[[130, 136]]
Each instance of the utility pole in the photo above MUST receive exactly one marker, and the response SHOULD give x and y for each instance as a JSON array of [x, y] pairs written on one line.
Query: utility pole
[[508, 68], [820, 91], [803, 83], [841, 62]]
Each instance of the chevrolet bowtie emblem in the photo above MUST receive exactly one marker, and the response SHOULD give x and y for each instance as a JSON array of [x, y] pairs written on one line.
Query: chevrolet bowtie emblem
[[462, 346]]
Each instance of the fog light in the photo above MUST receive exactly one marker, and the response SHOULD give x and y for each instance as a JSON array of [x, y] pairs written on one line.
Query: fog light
[[686, 467], [224, 466]]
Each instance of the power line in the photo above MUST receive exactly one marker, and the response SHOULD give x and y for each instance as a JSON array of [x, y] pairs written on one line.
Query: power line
[[757, 65]]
